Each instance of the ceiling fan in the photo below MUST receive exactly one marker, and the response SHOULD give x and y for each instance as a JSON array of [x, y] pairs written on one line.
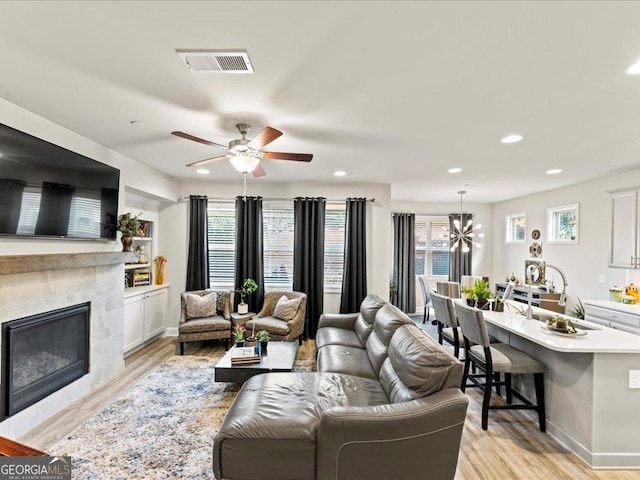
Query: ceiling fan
[[245, 155]]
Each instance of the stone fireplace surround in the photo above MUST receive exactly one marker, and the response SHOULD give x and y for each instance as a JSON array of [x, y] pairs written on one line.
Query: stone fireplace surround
[[32, 284]]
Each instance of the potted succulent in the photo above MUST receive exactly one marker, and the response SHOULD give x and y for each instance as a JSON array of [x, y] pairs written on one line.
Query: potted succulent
[[263, 337], [129, 225], [478, 294], [238, 333], [248, 286]]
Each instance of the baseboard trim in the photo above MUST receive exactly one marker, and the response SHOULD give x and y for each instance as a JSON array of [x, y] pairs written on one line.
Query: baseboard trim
[[171, 332]]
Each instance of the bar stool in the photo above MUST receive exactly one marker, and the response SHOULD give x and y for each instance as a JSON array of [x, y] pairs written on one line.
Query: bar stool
[[448, 329], [496, 358], [448, 289], [426, 296]]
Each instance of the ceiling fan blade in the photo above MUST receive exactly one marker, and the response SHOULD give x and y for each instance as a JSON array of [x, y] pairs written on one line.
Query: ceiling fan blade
[[298, 157], [198, 139], [207, 160], [259, 171], [264, 138]]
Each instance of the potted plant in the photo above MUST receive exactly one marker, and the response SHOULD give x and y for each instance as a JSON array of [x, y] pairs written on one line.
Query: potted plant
[[238, 333], [478, 294], [252, 341], [248, 286], [129, 225], [263, 337]]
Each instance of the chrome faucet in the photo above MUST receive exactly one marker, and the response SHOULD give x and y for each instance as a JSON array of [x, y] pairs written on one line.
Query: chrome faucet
[[562, 301]]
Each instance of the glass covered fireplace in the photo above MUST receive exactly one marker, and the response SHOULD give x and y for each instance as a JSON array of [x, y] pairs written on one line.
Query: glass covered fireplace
[[43, 353]]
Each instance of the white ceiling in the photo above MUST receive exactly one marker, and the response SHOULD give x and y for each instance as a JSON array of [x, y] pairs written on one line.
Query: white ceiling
[[390, 92]]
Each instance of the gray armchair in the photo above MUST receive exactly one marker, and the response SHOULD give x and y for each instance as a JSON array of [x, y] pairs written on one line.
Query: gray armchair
[[280, 330], [210, 327]]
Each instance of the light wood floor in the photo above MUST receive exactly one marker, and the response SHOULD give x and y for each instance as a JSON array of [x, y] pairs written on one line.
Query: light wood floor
[[512, 447]]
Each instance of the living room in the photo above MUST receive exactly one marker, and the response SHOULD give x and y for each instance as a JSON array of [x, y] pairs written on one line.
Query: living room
[[395, 134]]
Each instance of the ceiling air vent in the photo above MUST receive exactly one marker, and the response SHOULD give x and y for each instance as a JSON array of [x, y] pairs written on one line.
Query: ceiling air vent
[[216, 61]]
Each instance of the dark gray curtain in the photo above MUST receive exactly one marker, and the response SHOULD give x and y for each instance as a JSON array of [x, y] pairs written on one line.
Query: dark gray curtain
[[249, 249], [11, 201], [404, 262], [198, 260], [459, 262], [308, 257], [354, 276], [55, 208]]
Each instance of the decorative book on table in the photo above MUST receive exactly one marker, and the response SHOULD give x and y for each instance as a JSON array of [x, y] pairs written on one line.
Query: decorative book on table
[[240, 355]]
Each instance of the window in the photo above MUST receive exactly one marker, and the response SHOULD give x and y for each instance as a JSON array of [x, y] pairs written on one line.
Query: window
[[516, 226], [562, 223], [221, 223], [277, 230], [278, 246], [334, 246], [432, 246]]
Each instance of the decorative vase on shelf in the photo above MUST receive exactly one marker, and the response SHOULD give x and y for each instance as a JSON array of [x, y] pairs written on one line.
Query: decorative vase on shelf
[[127, 242], [159, 261]]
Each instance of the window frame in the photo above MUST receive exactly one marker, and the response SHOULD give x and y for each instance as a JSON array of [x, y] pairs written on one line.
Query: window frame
[[509, 221], [431, 219], [553, 215]]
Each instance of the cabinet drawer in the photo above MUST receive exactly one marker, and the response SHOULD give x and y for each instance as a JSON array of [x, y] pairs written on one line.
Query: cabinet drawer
[[605, 315]]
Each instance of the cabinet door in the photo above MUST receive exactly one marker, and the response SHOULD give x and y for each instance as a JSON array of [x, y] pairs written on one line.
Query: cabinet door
[[624, 223], [155, 313], [133, 322]]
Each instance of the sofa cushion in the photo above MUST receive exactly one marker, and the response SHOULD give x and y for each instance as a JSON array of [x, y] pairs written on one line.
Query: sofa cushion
[[286, 309], [269, 429], [347, 360], [417, 366], [205, 325], [273, 325], [337, 336], [368, 309], [388, 320], [200, 306]]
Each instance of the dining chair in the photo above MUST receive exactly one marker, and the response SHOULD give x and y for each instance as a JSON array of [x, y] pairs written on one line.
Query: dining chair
[[426, 297], [448, 328]]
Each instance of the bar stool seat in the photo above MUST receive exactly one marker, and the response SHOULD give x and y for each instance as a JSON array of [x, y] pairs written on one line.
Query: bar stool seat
[[495, 359], [451, 337]]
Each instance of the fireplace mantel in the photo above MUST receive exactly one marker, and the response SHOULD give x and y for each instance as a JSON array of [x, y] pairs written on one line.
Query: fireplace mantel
[[14, 264]]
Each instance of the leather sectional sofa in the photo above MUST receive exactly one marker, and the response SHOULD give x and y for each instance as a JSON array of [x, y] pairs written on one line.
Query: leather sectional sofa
[[385, 403]]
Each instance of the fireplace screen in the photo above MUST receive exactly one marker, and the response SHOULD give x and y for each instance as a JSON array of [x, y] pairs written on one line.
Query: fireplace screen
[[42, 354]]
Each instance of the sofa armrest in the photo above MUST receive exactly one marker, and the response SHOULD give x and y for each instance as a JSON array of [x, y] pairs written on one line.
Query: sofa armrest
[[338, 320], [423, 435]]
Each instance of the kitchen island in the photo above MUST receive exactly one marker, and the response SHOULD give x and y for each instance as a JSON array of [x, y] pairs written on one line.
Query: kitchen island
[[590, 406]]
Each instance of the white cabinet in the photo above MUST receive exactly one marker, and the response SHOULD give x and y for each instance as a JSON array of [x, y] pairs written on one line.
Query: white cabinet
[[613, 315], [625, 239], [144, 316]]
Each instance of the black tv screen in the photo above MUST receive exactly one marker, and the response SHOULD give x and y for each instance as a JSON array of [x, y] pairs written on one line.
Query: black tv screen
[[49, 191]]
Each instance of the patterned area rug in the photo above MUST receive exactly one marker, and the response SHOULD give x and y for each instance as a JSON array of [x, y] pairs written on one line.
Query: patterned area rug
[[163, 427]]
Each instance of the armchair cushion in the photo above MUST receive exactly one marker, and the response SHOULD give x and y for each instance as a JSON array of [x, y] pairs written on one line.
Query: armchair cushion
[[273, 325], [286, 309], [199, 325], [201, 306]]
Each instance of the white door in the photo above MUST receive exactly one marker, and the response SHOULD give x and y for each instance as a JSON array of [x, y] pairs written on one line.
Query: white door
[[155, 313], [133, 322], [624, 224]]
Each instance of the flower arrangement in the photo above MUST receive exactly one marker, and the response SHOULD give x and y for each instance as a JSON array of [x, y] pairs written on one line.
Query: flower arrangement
[[129, 225], [238, 332]]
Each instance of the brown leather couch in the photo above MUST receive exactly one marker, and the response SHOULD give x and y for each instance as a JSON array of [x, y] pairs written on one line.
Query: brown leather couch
[[387, 407]]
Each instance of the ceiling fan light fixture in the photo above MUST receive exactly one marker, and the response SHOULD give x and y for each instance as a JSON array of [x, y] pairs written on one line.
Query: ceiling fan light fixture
[[244, 163]]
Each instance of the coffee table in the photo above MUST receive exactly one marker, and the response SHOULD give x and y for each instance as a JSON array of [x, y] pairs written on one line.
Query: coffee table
[[279, 358]]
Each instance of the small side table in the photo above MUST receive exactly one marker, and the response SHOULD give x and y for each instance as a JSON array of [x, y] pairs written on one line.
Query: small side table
[[239, 319]]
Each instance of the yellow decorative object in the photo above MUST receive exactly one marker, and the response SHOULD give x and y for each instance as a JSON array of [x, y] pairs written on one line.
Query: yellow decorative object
[[632, 291], [159, 261]]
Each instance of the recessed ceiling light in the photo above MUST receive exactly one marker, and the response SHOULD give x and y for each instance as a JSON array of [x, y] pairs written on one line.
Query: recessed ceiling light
[[202, 171], [633, 69], [454, 170], [339, 173], [513, 138], [137, 123], [553, 171]]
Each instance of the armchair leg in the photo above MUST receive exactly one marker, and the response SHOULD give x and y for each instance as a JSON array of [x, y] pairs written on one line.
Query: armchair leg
[[300, 340], [181, 348]]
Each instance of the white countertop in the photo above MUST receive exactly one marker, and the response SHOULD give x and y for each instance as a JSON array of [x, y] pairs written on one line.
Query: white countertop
[[599, 340], [133, 291], [621, 307]]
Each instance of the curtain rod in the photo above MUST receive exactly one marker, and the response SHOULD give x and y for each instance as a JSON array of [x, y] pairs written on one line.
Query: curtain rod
[[183, 198]]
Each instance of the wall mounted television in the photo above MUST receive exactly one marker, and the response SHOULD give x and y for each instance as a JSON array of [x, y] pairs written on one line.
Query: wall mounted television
[[48, 191]]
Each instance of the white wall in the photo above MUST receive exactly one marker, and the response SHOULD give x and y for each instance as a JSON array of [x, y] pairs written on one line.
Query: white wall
[[174, 228], [132, 174], [582, 262], [482, 258]]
